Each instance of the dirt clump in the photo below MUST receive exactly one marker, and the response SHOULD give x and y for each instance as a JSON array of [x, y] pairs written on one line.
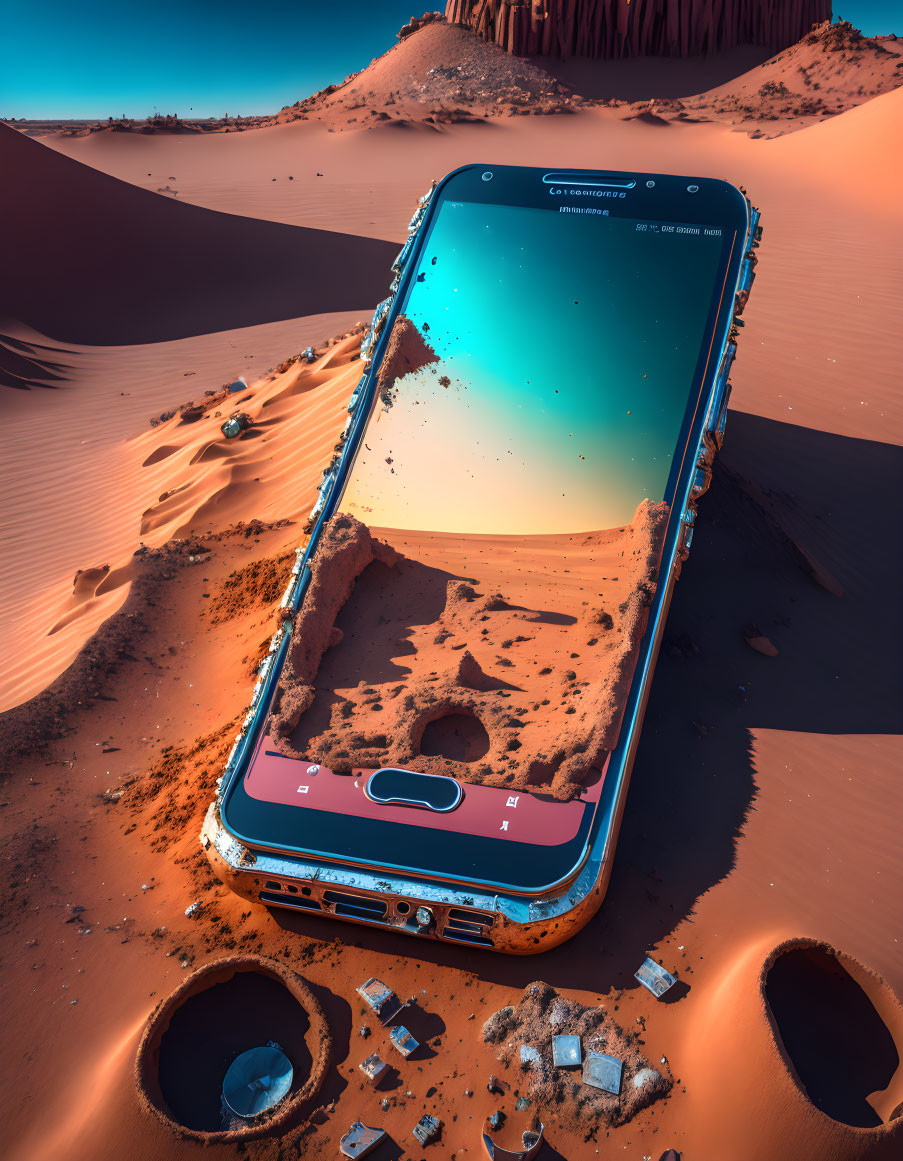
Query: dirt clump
[[256, 585], [543, 1013], [344, 551], [407, 351]]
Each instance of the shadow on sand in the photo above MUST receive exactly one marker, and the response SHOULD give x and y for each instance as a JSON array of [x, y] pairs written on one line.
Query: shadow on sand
[[97, 261]]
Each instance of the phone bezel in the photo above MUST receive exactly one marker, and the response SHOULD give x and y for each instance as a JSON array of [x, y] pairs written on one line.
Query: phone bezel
[[715, 203]]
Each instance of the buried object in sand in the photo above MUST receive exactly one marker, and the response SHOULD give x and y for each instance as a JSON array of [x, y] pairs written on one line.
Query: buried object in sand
[[517, 1137], [381, 999], [256, 1081], [603, 1072], [403, 1040], [566, 1051], [427, 1129], [360, 1140], [654, 978], [373, 1068], [236, 424]]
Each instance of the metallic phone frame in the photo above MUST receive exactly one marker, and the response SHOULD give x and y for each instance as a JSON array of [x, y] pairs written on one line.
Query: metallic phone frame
[[485, 917]]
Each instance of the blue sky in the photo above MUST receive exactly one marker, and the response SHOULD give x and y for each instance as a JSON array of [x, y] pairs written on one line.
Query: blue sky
[[94, 58]]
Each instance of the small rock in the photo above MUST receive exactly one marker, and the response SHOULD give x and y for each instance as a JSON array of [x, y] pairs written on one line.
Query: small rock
[[755, 639]]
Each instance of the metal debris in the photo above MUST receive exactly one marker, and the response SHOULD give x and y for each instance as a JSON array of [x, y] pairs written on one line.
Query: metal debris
[[531, 1138], [603, 1072], [380, 998], [529, 1056], [236, 424], [194, 909], [566, 1051], [427, 1129], [359, 1140], [403, 1040], [373, 1068], [654, 978]]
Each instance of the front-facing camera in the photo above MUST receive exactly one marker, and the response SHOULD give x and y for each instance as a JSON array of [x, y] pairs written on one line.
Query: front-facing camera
[[487, 176]]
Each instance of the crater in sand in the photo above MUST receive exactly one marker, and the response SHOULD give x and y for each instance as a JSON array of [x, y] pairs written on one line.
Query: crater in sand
[[460, 736], [219, 1012], [833, 1019]]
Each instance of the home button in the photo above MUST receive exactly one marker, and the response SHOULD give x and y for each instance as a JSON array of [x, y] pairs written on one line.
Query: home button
[[410, 788]]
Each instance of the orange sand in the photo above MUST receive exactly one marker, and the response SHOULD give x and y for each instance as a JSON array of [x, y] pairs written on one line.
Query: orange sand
[[764, 804], [499, 659]]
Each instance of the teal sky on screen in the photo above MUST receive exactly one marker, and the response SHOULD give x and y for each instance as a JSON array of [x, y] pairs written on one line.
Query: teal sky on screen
[[571, 342], [98, 58]]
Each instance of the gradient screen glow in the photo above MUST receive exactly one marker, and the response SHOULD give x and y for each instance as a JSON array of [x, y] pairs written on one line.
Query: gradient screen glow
[[568, 344]]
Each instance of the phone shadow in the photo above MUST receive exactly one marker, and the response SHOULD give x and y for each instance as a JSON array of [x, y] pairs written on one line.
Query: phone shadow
[[782, 498]]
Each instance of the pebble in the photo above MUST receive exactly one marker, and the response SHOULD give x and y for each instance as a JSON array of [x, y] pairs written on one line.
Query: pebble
[[762, 645]]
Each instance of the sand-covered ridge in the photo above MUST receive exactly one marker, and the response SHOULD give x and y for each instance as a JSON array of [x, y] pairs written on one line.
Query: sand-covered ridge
[[501, 660]]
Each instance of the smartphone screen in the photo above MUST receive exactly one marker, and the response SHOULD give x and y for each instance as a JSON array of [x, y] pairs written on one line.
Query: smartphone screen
[[506, 512], [570, 342]]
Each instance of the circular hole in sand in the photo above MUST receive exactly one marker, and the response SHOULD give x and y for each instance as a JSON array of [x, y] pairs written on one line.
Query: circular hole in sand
[[218, 1013], [458, 736], [831, 1016]]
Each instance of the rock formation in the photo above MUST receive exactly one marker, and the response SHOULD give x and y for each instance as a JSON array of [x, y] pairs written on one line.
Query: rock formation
[[622, 28]]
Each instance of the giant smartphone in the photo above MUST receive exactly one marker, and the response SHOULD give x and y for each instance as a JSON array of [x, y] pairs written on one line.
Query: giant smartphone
[[442, 733]]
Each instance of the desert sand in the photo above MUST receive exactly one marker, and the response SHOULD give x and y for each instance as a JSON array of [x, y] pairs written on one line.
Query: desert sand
[[493, 659], [764, 805]]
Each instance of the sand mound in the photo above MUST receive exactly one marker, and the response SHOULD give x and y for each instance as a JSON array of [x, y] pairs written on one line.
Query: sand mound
[[30, 727], [131, 267], [543, 1013], [439, 73], [256, 585], [540, 711], [345, 550], [832, 69], [407, 351]]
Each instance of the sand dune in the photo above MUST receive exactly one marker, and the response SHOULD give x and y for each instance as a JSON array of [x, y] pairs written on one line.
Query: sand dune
[[439, 74], [442, 74], [832, 69], [126, 266], [169, 478], [763, 806]]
